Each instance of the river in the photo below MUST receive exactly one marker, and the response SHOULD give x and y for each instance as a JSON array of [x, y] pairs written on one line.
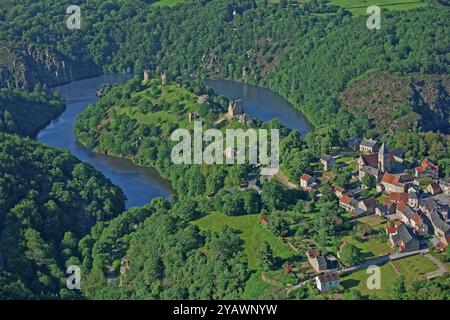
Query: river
[[141, 184], [262, 103]]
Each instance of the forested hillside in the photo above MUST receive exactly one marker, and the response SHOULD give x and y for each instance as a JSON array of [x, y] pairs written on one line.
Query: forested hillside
[[149, 253], [48, 201], [56, 211], [308, 53], [26, 113]]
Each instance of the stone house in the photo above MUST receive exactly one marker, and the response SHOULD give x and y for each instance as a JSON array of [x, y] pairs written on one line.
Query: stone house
[[368, 205], [368, 146], [445, 185], [319, 263], [427, 169], [411, 218], [392, 183], [306, 181], [403, 240], [327, 281], [327, 162], [434, 188]]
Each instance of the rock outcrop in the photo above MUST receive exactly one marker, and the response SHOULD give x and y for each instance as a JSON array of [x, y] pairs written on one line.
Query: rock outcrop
[[398, 103], [24, 66]]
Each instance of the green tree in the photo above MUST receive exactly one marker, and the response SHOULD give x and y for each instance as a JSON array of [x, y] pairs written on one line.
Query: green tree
[[351, 255], [265, 257]]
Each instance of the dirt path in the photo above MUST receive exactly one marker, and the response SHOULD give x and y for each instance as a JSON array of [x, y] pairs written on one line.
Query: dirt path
[[285, 180], [439, 272]]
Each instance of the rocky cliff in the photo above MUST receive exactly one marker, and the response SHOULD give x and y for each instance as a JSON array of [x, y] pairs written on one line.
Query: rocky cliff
[[24, 66], [399, 103]]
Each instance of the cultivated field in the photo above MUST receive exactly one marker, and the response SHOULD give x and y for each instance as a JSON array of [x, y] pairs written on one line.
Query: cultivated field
[[359, 7]]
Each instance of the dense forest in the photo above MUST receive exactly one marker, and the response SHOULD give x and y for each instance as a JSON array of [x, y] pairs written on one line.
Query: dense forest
[[56, 211], [27, 113], [301, 52], [48, 201]]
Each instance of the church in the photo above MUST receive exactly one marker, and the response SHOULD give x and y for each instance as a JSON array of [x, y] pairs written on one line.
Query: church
[[386, 160]]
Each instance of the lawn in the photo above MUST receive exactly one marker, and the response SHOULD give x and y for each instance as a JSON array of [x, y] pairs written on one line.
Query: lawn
[[412, 268], [253, 234], [358, 280], [359, 7], [254, 287], [349, 161], [376, 222], [371, 247]]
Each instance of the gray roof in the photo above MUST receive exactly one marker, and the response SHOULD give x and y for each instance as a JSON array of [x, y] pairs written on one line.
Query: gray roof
[[370, 170], [437, 222], [326, 157], [322, 262], [407, 237], [408, 212], [430, 204], [369, 143], [328, 277]]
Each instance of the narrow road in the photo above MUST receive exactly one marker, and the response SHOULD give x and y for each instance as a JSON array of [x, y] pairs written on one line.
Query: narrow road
[[439, 272], [285, 180], [382, 260]]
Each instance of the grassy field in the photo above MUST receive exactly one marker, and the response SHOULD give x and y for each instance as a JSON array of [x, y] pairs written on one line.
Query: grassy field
[[358, 281], [412, 268], [167, 3], [376, 222], [348, 161], [254, 287], [371, 247], [359, 7], [253, 234]]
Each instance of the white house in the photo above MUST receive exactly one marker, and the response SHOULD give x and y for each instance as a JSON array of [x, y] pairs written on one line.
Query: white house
[[327, 281]]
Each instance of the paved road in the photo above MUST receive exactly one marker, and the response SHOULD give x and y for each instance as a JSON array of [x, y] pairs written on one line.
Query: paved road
[[381, 260]]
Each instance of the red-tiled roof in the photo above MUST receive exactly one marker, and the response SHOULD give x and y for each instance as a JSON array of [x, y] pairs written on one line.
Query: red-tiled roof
[[441, 246], [312, 253], [391, 179], [306, 177], [339, 189], [371, 159], [417, 219], [399, 196], [264, 218], [345, 199], [391, 229], [402, 207], [389, 203], [427, 164]]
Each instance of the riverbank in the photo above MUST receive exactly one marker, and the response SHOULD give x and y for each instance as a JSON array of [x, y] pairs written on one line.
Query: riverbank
[[140, 184]]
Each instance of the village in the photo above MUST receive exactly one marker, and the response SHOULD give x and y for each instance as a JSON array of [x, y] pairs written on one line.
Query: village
[[405, 201]]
